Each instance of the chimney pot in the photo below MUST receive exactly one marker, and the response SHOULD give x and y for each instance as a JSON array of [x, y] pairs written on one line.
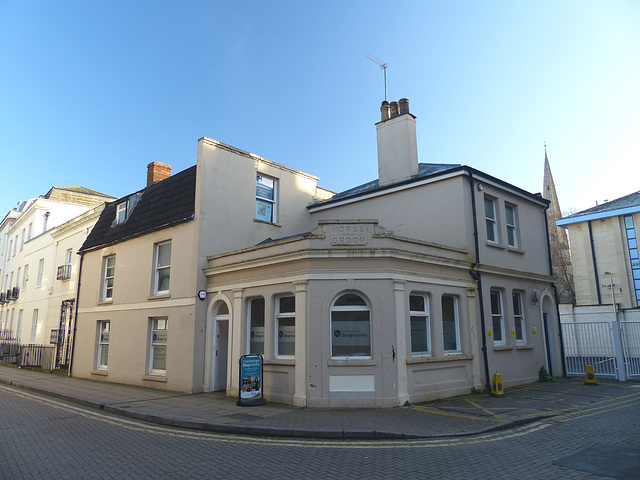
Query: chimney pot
[[157, 171], [394, 109], [385, 111], [404, 106]]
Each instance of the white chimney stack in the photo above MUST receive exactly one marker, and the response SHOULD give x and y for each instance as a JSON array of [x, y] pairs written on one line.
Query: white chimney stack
[[397, 144]]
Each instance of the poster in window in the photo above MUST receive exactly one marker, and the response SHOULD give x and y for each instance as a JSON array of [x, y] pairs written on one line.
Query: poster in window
[[264, 188], [264, 211]]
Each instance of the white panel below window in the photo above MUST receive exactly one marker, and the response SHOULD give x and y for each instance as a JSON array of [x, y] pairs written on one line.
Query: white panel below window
[[351, 383]]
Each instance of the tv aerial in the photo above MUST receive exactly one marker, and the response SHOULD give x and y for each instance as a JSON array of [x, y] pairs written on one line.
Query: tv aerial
[[383, 66]]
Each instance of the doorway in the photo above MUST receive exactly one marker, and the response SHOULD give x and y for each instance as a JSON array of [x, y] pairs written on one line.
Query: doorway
[[220, 348]]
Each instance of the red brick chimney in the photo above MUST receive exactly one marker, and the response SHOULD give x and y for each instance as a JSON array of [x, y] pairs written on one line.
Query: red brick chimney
[[157, 171]]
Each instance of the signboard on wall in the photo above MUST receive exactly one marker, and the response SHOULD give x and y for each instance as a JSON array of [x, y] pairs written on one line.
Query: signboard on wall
[[250, 381]]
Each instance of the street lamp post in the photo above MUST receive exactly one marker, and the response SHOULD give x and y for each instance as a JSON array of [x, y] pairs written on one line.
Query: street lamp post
[[618, 343]]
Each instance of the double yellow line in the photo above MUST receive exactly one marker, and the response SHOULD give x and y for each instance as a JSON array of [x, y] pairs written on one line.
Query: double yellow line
[[173, 432]]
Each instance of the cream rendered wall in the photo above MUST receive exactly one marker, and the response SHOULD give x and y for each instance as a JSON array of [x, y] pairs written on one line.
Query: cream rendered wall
[[531, 253], [226, 217], [132, 306], [35, 297], [437, 212], [70, 235]]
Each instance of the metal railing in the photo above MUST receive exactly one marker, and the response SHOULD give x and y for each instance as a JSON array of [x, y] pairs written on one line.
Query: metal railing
[[37, 356], [589, 343], [631, 342]]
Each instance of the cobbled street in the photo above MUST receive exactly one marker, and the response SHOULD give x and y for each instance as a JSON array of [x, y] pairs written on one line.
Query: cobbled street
[[45, 438]]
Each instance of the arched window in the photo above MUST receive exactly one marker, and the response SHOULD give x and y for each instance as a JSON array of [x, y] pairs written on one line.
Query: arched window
[[350, 327]]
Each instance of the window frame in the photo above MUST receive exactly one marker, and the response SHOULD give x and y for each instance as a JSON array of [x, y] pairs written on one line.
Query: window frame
[[25, 277], [40, 273], [497, 315], [156, 344], [271, 203], [456, 322], [512, 228], [491, 223], [158, 269], [516, 298], [105, 297], [335, 332], [102, 343], [121, 212], [416, 316], [284, 317], [251, 309], [34, 325]]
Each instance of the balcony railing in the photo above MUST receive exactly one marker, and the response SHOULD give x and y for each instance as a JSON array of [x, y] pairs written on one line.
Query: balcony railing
[[64, 272]]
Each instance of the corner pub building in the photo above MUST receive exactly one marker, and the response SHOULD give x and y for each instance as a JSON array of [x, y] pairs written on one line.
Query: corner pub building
[[415, 286]]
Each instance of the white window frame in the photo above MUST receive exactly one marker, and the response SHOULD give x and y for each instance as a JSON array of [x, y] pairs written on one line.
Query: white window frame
[[512, 226], [40, 273], [255, 329], [518, 318], [281, 319], [158, 269], [18, 277], [25, 277], [34, 324], [456, 323], [19, 327], [30, 231], [22, 239], [104, 332], [108, 277], [335, 332], [420, 317], [497, 317], [157, 340], [15, 246], [263, 202], [121, 212], [491, 219]]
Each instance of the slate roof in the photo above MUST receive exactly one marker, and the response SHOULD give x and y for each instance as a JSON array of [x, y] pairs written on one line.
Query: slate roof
[[622, 203], [161, 205], [425, 170]]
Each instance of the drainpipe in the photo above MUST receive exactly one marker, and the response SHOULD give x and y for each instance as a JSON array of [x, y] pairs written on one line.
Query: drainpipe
[[595, 265], [555, 299], [75, 318], [477, 276]]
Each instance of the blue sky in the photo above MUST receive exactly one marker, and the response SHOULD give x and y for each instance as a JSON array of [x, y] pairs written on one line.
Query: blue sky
[[91, 92]]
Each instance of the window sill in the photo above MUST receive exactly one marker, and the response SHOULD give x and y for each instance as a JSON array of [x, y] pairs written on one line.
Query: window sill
[[100, 372], [159, 296], [155, 378], [516, 250], [502, 348], [280, 361], [273, 224], [352, 361], [447, 358], [106, 302], [524, 347], [496, 245]]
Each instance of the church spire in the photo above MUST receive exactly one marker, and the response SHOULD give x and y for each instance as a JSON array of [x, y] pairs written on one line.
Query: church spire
[[558, 241]]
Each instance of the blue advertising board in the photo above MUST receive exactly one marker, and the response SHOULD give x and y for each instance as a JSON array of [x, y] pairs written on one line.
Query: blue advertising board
[[250, 381]]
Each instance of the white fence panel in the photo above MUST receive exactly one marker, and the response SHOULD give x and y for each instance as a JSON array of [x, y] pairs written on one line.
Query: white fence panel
[[631, 342], [589, 343]]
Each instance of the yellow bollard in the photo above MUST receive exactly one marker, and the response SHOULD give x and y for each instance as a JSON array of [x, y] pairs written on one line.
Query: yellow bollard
[[590, 376], [496, 386]]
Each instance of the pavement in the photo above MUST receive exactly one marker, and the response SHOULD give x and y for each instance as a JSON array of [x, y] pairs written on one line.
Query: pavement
[[459, 416]]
